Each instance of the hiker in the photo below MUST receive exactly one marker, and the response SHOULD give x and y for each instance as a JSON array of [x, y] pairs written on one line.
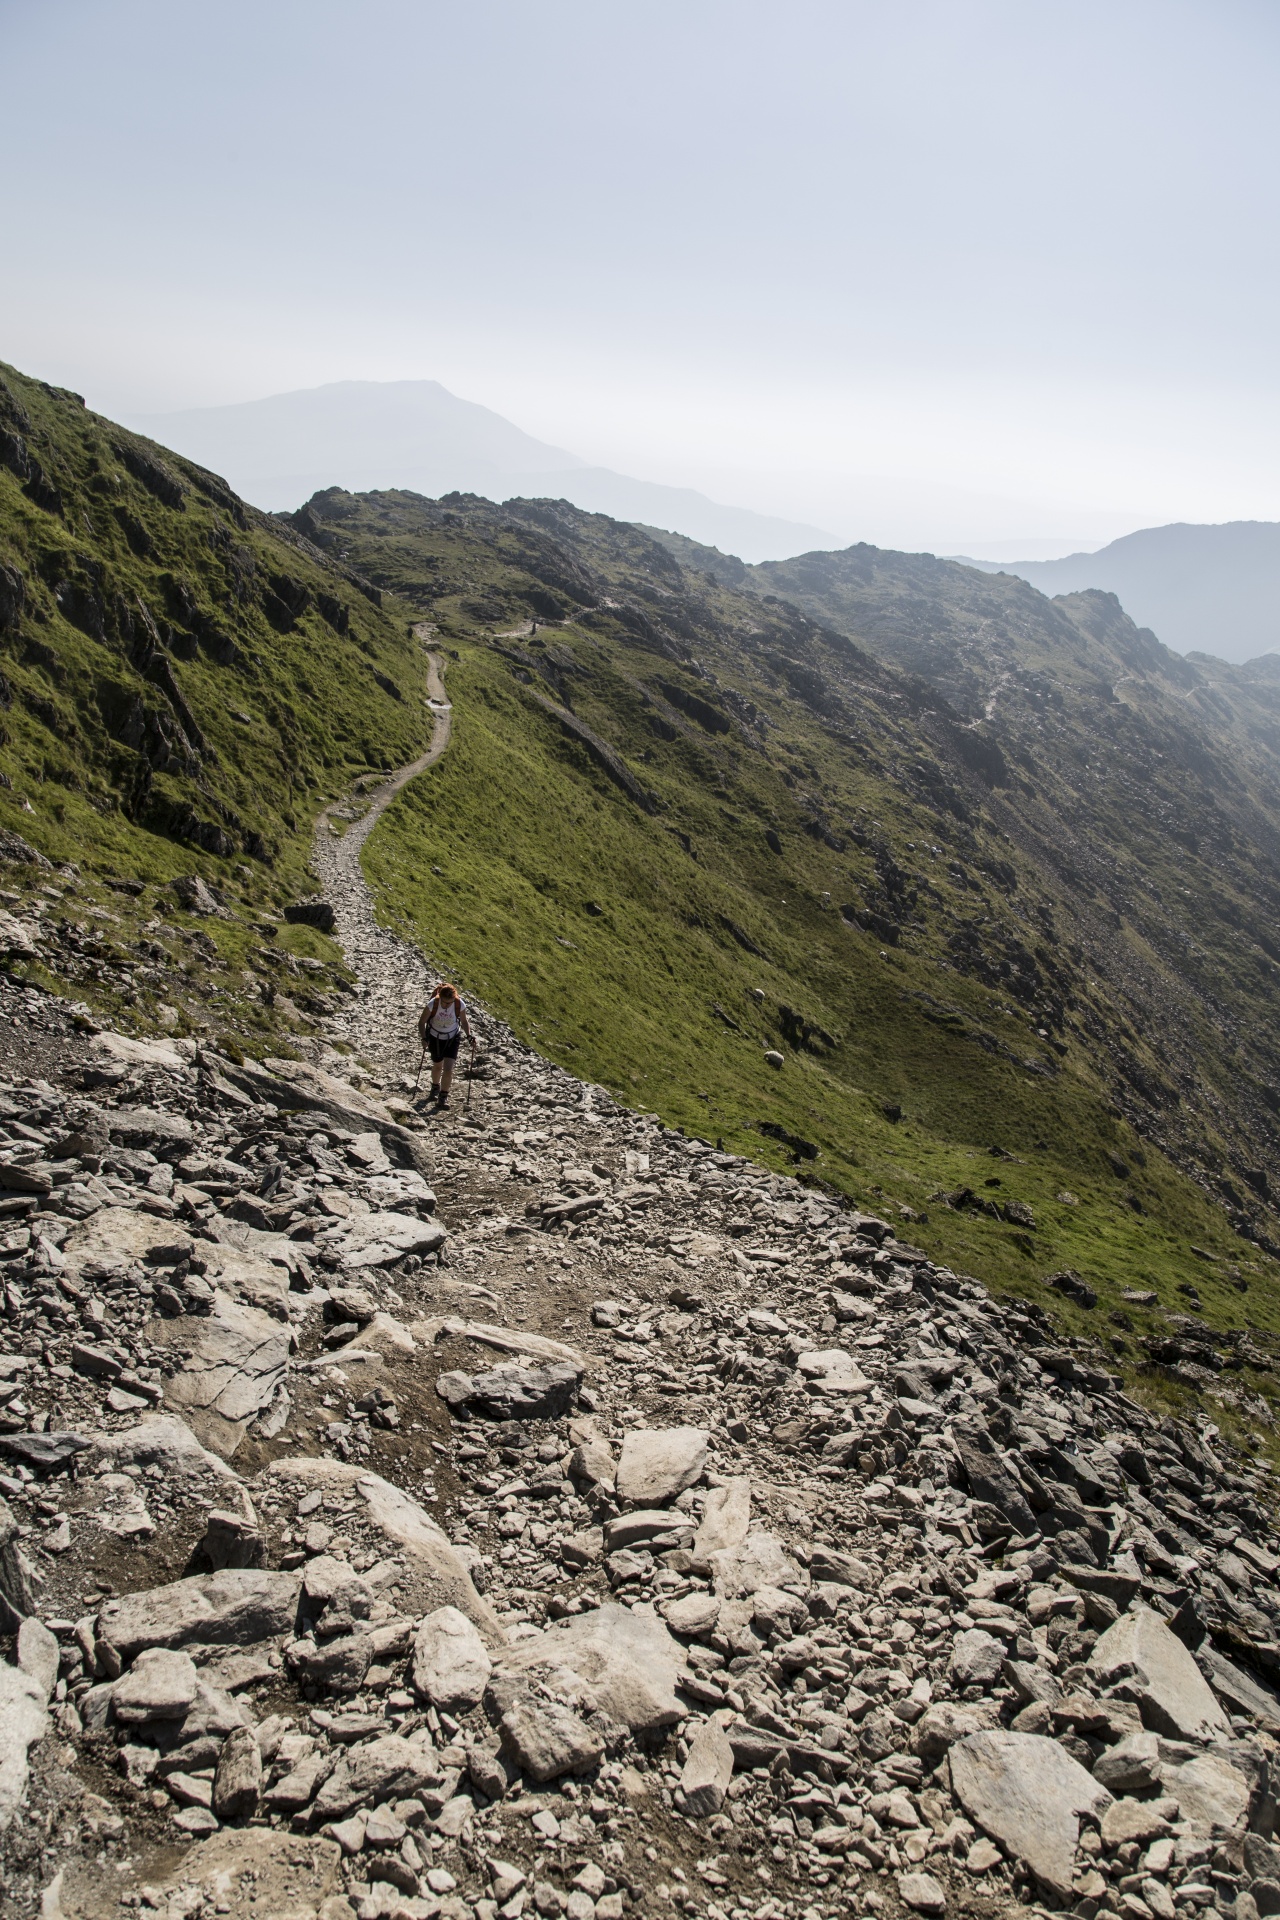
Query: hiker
[[441, 1025]]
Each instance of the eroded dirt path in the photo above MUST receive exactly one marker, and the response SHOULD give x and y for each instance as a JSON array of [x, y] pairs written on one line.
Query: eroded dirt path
[[395, 978]]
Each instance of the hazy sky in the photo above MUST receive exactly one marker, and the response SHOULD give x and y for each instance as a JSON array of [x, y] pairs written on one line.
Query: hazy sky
[[814, 257]]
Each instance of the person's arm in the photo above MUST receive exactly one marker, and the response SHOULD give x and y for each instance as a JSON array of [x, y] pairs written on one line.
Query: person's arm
[[464, 1021], [423, 1018]]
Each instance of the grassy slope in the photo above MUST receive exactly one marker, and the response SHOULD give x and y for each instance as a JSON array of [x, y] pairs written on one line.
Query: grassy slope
[[166, 713], [531, 835]]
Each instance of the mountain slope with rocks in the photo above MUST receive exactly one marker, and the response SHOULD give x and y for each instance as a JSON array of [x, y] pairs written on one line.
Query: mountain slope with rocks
[[536, 1510], [532, 1508]]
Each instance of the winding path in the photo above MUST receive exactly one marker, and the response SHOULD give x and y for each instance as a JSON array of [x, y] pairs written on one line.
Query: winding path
[[394, 977]]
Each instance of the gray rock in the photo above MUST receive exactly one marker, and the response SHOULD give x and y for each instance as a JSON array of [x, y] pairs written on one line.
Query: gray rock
[[232, 1541], [945, 1722], [380, 1239], [23, 1722], [160, 1685], [693, 1615], [18, 1578], [237, 1366], [237, 1606], [237, 1782], [1131, 1766], [451, 1664], [1241, 1691], [1140, 1821], [592, 1463], [923, 1892], [705, 1776], [1028, 1793], [657, 1463], [842, 1569], [833, 1371], [726, 1520], [44, 1452], [658, 1530], [990, 1480], [391, 1768], [976, 1658], [525, 1393], [1173, 1695], [761, 1561], [435, 1572], [624, 1664], [545, 1739], [1219, 1791], [38, 1653], [193, 895]]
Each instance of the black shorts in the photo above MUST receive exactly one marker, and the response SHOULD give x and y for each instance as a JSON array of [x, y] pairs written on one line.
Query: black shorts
[[443, 1049]]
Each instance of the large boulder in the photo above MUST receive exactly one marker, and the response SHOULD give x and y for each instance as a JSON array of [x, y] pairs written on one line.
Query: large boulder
[[23, 1721], [238, 1606], [436, 1574], [451, 1664], [657, 1463], [1173, 1695], [235, 1369], [620, 1663], [391, 1768], [1028, 1793]]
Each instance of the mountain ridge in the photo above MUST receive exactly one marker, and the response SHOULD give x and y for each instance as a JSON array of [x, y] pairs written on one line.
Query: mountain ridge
[[417, 435]]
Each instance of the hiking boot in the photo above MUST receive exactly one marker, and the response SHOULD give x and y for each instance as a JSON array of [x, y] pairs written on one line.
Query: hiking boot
[[444, 1101]]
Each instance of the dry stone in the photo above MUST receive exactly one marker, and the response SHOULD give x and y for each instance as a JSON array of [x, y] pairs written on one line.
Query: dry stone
[[1028, 1793], [705, 1777], [624, 1664], [451, 1664], [1174, 1696], [656, 1464]]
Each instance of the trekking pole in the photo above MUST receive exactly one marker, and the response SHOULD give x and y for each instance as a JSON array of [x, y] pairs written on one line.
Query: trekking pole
[[418, 1076], [470, 1077]]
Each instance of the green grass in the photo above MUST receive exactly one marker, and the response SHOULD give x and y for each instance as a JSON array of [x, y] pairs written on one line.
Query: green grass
[[529, 832], [135, 612]]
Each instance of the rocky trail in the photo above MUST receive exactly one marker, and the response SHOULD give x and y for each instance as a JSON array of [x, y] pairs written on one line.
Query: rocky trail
[[533, 1510]]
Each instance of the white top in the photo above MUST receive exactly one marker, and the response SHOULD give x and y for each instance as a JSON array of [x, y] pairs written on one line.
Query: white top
[[443, 1021]]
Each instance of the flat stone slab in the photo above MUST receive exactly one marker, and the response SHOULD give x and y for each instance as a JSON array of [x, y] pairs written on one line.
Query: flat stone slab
[[832, 1370], [1028, 1793], [1173, 1695], [238, 1606], [378, 1239], [761, 1561], [726, 1520], [657, 1463], [625, 1664], [234, 1373]]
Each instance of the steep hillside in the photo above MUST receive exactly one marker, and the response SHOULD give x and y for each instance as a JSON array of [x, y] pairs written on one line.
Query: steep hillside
[[182, 682], [682, 825]]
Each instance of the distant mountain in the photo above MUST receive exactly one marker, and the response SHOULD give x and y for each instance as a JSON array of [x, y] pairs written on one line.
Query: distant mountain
[[416, 436], [1202, 589]]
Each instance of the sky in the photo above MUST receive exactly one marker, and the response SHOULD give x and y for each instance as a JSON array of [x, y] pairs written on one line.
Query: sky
[[980, 275]]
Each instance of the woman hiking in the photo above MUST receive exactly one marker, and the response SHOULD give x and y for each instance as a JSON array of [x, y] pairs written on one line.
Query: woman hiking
[[441, 1026]]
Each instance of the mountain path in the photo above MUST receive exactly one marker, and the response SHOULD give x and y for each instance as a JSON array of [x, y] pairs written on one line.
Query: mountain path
[[395, 978]]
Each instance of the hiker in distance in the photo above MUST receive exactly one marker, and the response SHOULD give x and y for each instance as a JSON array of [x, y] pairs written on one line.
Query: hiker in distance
[[441, 1026]]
